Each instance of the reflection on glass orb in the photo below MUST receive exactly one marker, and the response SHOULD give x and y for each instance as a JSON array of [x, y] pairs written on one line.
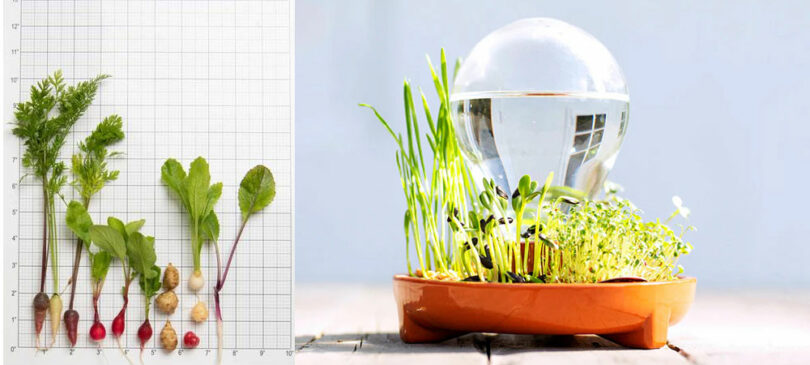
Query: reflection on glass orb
[[538, 96]]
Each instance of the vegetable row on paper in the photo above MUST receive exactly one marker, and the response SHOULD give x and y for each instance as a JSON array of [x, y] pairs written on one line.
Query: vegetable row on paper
[[43, 124]]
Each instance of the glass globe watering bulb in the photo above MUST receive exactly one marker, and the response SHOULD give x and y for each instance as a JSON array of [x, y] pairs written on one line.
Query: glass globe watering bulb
[[538, 96]]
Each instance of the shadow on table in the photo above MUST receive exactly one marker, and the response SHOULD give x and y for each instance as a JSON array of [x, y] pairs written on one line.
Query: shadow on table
[[484, 343]]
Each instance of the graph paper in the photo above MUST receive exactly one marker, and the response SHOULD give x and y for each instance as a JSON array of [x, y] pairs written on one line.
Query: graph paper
[[189, 78]]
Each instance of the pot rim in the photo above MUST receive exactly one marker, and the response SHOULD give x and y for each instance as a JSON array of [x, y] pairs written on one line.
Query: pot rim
[[406, 278]]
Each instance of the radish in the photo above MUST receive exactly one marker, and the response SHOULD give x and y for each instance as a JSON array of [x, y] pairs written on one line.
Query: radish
[[150, 284], [90, 170], [256, 191], [43, 123], [190, 340], [137, 255]]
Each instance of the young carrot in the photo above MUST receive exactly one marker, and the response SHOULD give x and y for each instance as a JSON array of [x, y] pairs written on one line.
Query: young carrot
[[43, 123], [89, 167], [256, 191]]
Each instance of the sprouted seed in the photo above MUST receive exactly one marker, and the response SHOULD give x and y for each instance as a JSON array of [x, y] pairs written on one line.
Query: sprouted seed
[[540, 234]]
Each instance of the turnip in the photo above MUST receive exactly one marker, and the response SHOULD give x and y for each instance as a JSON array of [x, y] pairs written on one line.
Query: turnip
[[256, 191], [198, 197], [149, 280], [89, 167], [43, 124]]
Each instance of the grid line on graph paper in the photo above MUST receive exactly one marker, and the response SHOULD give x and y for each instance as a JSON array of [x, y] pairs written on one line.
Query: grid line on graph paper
[[190, 78]]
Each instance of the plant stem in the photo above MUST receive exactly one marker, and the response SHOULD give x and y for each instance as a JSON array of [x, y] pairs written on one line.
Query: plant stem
[[53, 245], [230, 256], [44, 235], [74, 276], [76, 261]]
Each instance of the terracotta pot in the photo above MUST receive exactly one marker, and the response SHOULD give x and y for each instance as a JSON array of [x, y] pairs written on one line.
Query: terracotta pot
[[630, 314]]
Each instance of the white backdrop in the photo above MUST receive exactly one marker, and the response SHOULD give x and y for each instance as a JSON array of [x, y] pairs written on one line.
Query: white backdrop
[[719, 115]]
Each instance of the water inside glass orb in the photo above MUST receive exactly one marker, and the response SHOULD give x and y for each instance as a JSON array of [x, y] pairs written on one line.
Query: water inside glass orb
[[538, 96]]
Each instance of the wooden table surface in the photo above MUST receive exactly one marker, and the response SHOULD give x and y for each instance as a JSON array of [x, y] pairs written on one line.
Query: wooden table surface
[[356, 324]]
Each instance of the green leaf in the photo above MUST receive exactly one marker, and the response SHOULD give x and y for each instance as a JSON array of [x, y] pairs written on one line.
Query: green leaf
[[214, 192], [78, 220], [141, 253], [109, 239], [173, 175], [118, 225], [101, 264], [196, 188], [210, 227], [256, 191], [134, 226], [150, 282]]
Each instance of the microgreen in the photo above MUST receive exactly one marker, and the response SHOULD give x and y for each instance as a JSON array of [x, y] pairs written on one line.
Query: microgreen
[[538, 233], [198, 197], [256, 192], [43, 122]]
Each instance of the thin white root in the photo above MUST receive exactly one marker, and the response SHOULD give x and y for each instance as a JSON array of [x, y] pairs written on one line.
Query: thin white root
[[141, 356], [219, 341], [123, 353]]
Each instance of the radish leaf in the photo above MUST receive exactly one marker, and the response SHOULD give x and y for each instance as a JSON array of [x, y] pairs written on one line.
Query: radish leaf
[[109, 239], [141, 253], [78, 220], [101, 263], [256, 191], [134, 226], [150, 281]]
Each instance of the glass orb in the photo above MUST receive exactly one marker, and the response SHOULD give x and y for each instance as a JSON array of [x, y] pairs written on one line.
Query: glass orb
[[538, 96]]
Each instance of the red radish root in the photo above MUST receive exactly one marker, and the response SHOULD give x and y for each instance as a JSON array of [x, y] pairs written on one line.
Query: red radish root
[[98, 332], [190, 340], [144, 334]]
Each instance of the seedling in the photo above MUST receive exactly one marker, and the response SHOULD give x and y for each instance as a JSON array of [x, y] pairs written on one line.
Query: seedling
[[42, 123], [539, 233], [198, 197], [256, 191], [136, 253], [89, 167], [149, 280]]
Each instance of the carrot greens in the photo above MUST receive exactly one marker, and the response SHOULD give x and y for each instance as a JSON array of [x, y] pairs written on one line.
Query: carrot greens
[[43, 123], [89, 166]]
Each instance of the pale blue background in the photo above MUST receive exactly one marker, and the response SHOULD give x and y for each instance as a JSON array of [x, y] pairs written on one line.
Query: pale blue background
[[720, 115]]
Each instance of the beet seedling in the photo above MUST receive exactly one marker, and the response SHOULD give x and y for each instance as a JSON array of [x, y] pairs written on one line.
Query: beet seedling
[[256, 191], [89, 167], [43, 123]]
